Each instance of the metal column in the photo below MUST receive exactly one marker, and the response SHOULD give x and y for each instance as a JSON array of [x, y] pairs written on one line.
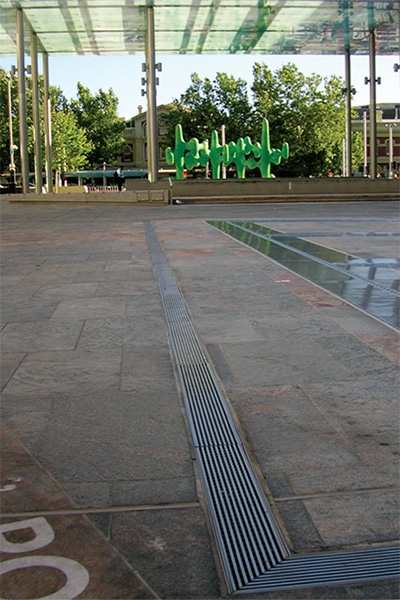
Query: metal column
[[391, 170], [35, 113], [365, 129], [372, 106], [47, 123], [348, 112], [152, 146], [10, 129], [23, 145]]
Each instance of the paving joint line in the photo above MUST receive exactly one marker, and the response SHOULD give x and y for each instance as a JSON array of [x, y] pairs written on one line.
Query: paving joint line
[[100, 510], [335, 494]]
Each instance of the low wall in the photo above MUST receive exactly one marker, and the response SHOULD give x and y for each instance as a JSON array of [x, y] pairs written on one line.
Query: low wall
[[149, 195], [230, 190], [287, 189]]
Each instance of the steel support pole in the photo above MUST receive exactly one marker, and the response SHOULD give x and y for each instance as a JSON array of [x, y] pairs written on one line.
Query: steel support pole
[[10, 130], [152, 146], [348, 112], [47, 123], [372, 105], [365, 129], [223, 131], [390, 172], [35, 113], [23, 144]]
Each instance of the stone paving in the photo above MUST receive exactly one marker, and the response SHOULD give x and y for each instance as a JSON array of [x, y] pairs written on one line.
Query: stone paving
[[96, 447]]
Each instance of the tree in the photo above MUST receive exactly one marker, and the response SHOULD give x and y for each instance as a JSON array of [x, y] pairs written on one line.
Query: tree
[[235, 109], [97, 116], [196, 111], [84, 131], [70, 146], [357, 148], [307, 112], [207, 105], [4, 138], [4, 122]]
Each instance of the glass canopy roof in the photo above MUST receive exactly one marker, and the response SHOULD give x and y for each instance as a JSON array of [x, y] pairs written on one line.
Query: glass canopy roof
[[106, 27]]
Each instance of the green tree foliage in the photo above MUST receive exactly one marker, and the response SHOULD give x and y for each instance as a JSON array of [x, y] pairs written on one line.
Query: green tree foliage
[[70, 146], [4, 137], [4, 122], [357, 149], [97, 116], [234, 107], [308, 112], [85, 131], [208, 105]]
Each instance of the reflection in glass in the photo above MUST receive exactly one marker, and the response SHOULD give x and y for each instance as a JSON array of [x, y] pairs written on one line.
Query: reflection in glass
[[369, 284]]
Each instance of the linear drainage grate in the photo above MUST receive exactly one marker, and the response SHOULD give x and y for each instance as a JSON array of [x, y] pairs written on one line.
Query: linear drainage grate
[[361, 565], [253, 551]]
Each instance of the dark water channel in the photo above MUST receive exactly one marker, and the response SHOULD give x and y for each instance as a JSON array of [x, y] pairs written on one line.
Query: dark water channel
[[369, 284]]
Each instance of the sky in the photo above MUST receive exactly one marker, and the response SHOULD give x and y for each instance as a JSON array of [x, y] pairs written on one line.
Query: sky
[[124, 73]]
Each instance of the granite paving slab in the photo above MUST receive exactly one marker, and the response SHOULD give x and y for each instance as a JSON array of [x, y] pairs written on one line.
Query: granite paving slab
[[40, 336], [85, 308], [17, 310], [10, 361], [75, 370], [259, 364], [122, 332], [341, 520], [76, 290], [158, 542]]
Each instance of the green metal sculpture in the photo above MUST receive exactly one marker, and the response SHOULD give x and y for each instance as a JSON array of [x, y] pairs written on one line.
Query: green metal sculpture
[[243, 154]]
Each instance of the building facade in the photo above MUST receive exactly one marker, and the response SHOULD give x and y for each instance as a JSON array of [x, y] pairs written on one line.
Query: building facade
[[135, 150], [388, 137]]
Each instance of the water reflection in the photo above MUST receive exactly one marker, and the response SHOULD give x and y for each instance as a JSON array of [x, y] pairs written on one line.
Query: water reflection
[[369, 284]]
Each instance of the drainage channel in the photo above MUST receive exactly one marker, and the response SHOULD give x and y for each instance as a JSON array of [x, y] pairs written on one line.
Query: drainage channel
[[370, 285], [252, 549]]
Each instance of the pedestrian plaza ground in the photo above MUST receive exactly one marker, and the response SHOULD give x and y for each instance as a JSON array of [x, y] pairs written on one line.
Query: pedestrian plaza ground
[[96, 447]]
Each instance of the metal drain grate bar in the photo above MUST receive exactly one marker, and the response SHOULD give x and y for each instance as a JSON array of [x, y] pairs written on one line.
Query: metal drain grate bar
[[253, 551], [331, 568], [247, 535], [212, 422], [231, 482]]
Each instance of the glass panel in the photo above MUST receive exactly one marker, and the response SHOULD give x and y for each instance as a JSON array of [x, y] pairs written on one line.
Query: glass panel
[[372, 289], [204, 26]]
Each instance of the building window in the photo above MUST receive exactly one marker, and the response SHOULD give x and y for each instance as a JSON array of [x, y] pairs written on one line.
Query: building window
[[127, 155]]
